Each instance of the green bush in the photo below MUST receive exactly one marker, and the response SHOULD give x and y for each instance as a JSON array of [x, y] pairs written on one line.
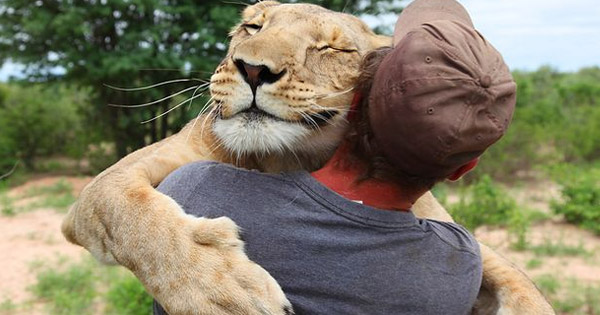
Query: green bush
[[578, 136], [37, 121], [580, 196], [80, 288], [68, 290], [7, 306], [558, 248], [483, 203], [568, 296], [8, 153], [556, 120], [100, 156], [127, 296]]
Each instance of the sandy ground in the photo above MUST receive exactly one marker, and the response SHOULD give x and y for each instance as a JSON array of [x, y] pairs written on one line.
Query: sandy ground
[[29, 237], [585, 268], [35, 236]]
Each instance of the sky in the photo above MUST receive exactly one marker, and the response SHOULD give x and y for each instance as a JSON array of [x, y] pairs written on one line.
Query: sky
[[564, 34]]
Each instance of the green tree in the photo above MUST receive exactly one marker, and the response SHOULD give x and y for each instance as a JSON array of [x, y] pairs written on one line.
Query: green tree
[[97, 42], [36, 121]]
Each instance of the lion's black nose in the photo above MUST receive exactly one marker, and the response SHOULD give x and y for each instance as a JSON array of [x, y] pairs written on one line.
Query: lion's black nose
[[257, 75]]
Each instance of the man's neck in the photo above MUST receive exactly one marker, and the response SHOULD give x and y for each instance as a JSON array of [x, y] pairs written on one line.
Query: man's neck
[[342, 175]]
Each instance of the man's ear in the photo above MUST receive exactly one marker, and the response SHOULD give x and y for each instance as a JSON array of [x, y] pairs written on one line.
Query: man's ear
[[463, 169]]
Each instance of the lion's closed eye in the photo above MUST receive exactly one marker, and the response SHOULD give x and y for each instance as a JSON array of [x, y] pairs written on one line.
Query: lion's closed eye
[[326, 47], [252, 28]]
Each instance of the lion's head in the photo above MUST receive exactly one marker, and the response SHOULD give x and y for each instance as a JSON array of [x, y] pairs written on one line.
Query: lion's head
[[285, 86]]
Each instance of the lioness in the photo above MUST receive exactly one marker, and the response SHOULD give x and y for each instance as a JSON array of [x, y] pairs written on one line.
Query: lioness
[[281, 96]]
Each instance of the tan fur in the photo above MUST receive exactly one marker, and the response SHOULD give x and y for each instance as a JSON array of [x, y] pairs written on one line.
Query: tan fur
[[197, 266]]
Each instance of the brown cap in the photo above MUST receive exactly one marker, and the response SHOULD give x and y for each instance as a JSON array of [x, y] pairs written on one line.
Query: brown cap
[[443, 94]]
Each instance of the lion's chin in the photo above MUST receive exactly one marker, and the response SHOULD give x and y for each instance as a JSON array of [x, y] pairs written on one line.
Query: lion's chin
[[265, 136]]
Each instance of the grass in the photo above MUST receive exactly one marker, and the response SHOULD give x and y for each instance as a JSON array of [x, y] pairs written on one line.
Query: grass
[[559, 248], [7, 207], [570, 296], [60, 203], [127, 296], [7, 306], [548, 284], [533, 263], [67, 290], [88, 288], [58, 196], [6, 203], [62, 186]]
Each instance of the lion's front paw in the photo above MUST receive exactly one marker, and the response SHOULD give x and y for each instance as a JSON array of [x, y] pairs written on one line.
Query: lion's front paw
[[216, 276]]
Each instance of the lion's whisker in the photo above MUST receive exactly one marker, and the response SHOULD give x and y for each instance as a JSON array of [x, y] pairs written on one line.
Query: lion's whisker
[[208, 116], [206, 105], [153, 85], [193, 94], [313, 105], [219, 143], [177, 70], [237, 2], [171, 109], [159, 100], [334, 94], [307, 117], [310, 120]]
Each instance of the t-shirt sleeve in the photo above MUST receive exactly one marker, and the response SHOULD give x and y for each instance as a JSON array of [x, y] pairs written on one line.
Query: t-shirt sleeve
[[456, 235]]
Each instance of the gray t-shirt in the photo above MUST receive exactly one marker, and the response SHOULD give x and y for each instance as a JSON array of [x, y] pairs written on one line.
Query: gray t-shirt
[[332, 255]]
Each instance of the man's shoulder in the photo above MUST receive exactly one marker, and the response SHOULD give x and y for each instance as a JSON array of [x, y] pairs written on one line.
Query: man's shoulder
[[200, 171], [196, 168], [455, 235], [217, 178], [186, 175]]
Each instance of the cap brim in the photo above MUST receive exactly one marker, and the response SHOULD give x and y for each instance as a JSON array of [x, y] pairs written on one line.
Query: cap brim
[[423, 11]]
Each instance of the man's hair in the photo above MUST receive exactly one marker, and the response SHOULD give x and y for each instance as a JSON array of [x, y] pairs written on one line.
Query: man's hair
[[362, 140]]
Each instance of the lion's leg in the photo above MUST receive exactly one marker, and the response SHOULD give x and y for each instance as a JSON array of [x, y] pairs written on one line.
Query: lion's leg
[[121, 192], [190, 265], [505, 289]]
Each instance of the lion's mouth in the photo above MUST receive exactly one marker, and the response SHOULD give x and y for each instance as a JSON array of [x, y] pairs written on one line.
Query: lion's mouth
[[316, 120], [255, 113]]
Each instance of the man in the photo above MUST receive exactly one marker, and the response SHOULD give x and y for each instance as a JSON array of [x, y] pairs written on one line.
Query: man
[[342, 240]]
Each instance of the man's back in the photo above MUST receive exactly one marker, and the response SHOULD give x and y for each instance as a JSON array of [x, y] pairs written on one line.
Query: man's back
[[331, 255]]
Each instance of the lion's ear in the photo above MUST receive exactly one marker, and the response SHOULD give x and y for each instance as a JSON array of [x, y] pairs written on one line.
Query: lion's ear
[[254, 10]]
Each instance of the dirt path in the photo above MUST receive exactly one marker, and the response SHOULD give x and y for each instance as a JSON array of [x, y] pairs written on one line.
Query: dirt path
[[583, 265], [29, 237]]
